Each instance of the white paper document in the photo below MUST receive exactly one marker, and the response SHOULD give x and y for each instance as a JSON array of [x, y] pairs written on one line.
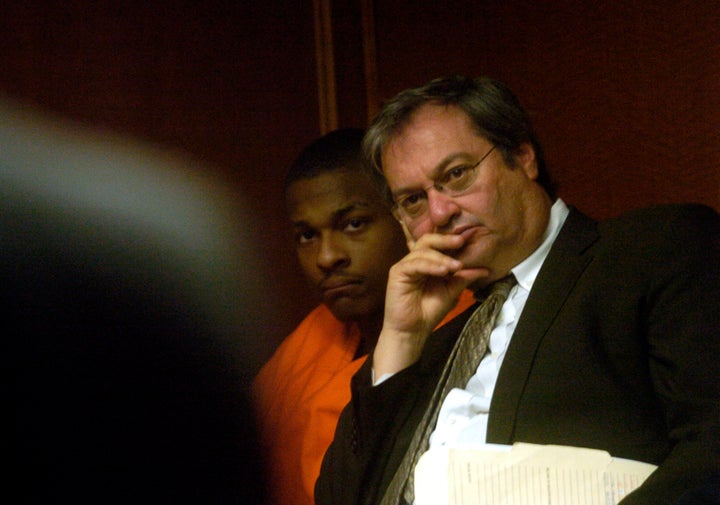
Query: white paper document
[[525, 474]]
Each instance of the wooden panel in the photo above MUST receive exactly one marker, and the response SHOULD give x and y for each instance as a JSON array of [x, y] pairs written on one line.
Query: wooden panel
[[325, 64], [351, 73]]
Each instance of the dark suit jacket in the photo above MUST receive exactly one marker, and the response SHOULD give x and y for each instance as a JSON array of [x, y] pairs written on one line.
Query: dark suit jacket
[[617, 349]]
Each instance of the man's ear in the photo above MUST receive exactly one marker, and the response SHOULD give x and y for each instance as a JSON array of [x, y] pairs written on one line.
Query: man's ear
[[525, 160]]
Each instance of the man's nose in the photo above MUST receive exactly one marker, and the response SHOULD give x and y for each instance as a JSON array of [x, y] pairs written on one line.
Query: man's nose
[[442, 208], [331, 253]]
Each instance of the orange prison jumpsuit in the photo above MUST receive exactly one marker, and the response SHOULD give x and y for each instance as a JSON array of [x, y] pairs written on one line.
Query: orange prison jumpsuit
[[299, 394]]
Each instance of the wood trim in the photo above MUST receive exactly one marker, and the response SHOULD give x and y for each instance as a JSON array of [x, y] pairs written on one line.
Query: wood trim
[[325, 62], [367, 8]]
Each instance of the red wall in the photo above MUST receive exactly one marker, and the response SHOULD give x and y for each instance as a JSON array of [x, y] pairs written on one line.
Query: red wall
[[229, 83], [625, 95]]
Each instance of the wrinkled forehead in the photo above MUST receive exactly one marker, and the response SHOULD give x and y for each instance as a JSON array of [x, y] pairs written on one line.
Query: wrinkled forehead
[[431, 136], [430, 121]]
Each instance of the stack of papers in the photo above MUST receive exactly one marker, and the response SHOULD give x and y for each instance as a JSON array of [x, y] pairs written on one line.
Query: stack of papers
[[525, 474]]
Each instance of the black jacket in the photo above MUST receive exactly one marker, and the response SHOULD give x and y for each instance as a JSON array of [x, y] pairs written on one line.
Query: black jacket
[[617, 348]]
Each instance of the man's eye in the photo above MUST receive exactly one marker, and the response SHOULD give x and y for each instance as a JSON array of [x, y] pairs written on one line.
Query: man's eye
[[413, 205], [355, 224], [304, 237], [412, 201], [454, 174]]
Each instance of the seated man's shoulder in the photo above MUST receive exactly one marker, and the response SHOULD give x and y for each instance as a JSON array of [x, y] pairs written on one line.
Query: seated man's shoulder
[[669, 213], [318, 326], [319, 336], [676, 221]]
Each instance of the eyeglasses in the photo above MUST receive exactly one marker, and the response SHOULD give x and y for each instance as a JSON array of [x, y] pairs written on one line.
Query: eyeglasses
[[454, 181]]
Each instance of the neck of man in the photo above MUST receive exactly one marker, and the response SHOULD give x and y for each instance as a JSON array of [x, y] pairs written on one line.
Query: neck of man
[[369, 332]]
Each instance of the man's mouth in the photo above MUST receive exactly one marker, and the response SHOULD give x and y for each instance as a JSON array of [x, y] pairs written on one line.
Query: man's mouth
[[466, 232], [335, 287]]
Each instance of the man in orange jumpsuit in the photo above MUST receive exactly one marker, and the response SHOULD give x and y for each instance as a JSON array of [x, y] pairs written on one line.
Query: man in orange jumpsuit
[[346, 240]]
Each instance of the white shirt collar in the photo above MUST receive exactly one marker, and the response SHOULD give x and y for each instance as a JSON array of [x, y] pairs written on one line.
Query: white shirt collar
[[526, 271]]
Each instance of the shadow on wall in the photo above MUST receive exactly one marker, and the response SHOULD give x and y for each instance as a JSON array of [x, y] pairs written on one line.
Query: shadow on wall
[[130, 302]]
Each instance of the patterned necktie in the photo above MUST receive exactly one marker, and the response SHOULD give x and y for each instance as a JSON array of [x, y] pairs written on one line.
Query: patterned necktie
[[461, 365]]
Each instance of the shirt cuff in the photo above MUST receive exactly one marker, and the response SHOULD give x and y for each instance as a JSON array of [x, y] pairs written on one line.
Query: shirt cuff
[[380, 379]]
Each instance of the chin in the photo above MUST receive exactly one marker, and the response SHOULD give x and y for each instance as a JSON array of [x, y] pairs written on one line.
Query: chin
[[476, 254], [347, 310], [470, 258]]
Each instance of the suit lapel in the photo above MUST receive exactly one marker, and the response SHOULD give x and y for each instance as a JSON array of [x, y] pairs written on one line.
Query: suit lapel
[[563, 266]]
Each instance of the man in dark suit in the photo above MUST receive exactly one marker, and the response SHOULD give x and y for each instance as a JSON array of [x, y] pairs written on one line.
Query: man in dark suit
[[610, 338]]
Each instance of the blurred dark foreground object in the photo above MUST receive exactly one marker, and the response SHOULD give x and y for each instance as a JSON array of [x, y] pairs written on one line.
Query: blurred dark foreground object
[[128, 296], [705, 494]]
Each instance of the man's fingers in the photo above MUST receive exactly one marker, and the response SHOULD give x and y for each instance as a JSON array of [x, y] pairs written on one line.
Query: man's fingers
[[427, 262], [439, 242], [408, 236]]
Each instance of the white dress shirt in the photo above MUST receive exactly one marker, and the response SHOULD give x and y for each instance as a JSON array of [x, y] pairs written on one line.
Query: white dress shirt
[[462, 421]]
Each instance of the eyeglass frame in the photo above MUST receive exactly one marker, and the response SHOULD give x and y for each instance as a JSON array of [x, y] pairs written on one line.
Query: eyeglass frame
[[440, 188]]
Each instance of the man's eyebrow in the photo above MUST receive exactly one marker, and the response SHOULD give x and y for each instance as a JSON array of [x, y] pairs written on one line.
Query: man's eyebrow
[[340, 213], [449, 160], [336, 214]]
